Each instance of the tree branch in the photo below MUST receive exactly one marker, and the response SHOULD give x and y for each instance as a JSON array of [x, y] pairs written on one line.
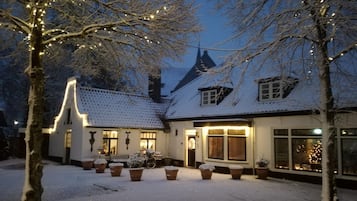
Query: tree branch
[[343, 52], [15, 22]]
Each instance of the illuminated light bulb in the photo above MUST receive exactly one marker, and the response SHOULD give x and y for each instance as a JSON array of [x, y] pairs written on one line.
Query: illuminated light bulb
[[152, 16], [330, 58]]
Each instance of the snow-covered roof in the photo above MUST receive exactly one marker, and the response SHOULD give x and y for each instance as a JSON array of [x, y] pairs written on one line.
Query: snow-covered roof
[[243, 100], [106, 108]]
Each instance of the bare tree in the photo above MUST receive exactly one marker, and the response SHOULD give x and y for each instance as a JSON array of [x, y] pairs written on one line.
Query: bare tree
[[320, 34], [115, 34]]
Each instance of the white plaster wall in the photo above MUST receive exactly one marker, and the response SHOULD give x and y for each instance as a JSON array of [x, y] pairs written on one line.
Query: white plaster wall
[[57, 136], [177, 148], [263, 129]]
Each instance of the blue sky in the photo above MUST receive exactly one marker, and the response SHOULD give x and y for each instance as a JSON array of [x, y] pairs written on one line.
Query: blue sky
[[215, 32]]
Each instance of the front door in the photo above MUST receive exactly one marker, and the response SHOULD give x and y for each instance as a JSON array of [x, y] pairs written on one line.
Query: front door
[[68, 141], [191, 151]]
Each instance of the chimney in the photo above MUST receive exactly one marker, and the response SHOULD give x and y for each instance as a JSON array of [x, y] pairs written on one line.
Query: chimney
[[155, 88]]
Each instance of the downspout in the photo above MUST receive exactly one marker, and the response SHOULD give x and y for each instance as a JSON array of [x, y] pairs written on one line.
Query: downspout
[[254, 146]]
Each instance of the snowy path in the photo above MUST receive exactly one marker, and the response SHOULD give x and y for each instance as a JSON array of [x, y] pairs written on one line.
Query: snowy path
[[72, 183]]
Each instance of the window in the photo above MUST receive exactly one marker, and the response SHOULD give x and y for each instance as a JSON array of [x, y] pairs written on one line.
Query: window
[[68, 117], [304, 145], [281, 148], [235, 140], [209, 97], [349, 151], [276, 88], [148, 141], [110, 142], [215, 147], [270, 90]]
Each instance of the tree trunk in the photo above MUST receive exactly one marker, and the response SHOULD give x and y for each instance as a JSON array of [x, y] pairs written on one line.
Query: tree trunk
[[327, 115], [32, 190]]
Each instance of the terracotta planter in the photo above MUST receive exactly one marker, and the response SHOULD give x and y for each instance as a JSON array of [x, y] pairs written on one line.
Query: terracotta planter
[[206, 170], [262, 172], [100, 165], [236, 171], [87, 164], [206, 174], [171, 173], [115, 169], [136, 173]]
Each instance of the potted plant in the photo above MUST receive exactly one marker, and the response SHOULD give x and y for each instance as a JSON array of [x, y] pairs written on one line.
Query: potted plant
[[262, 170], [87, 163], [100, 164], [135, 163], [171, 172], [236, 171], [115, 169], [206, 170]]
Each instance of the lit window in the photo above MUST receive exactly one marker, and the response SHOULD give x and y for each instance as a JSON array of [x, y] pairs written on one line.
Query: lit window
[[236, 141], [110, 142], [148, 141]]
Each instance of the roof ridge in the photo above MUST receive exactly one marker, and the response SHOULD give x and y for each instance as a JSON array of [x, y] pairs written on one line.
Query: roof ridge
[[113, 91]]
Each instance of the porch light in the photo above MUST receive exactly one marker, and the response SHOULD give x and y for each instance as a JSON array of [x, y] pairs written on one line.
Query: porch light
[[317, 131]]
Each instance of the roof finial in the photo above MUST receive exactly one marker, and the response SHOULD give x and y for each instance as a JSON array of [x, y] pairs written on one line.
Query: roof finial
[[198, 58]]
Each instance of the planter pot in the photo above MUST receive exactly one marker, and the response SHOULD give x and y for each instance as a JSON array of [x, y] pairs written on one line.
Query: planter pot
[[115, 169], [262, 172], [136, 173], [100, 165], [171, 173], [236, 171], [87, 164], [100, 168], [206, 173]]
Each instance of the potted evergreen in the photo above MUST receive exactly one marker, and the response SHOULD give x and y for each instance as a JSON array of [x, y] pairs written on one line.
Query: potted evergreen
[[206, 171], [262, 169], [135, 163]]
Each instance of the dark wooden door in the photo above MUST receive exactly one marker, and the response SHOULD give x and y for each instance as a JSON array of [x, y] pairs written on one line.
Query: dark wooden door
[[191, 152]]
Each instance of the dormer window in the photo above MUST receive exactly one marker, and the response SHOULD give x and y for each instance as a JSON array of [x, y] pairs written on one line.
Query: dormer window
[[209, 97], [270, 90], [276, 88], [213, 95]]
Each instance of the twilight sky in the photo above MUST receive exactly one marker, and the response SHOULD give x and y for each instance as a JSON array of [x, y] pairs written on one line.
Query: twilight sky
[[215, 32]]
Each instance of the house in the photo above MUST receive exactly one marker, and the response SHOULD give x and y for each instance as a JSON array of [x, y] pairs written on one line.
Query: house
[[225, 118], [96, 121], [221, 117]]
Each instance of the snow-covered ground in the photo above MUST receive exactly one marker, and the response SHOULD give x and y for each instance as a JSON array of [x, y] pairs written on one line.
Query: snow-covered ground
[[64, 182]]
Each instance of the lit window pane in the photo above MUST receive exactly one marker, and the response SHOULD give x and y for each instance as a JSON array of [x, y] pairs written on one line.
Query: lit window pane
[[215, 147], [236, 148], [307, 154]]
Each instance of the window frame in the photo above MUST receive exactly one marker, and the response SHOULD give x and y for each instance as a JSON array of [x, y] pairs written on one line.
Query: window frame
[[147, 137], [267, 90], [226, 135], [209, 97], [110, 136]]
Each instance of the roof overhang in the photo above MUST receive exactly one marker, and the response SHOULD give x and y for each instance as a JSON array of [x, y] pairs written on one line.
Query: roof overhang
[[222, 122]]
